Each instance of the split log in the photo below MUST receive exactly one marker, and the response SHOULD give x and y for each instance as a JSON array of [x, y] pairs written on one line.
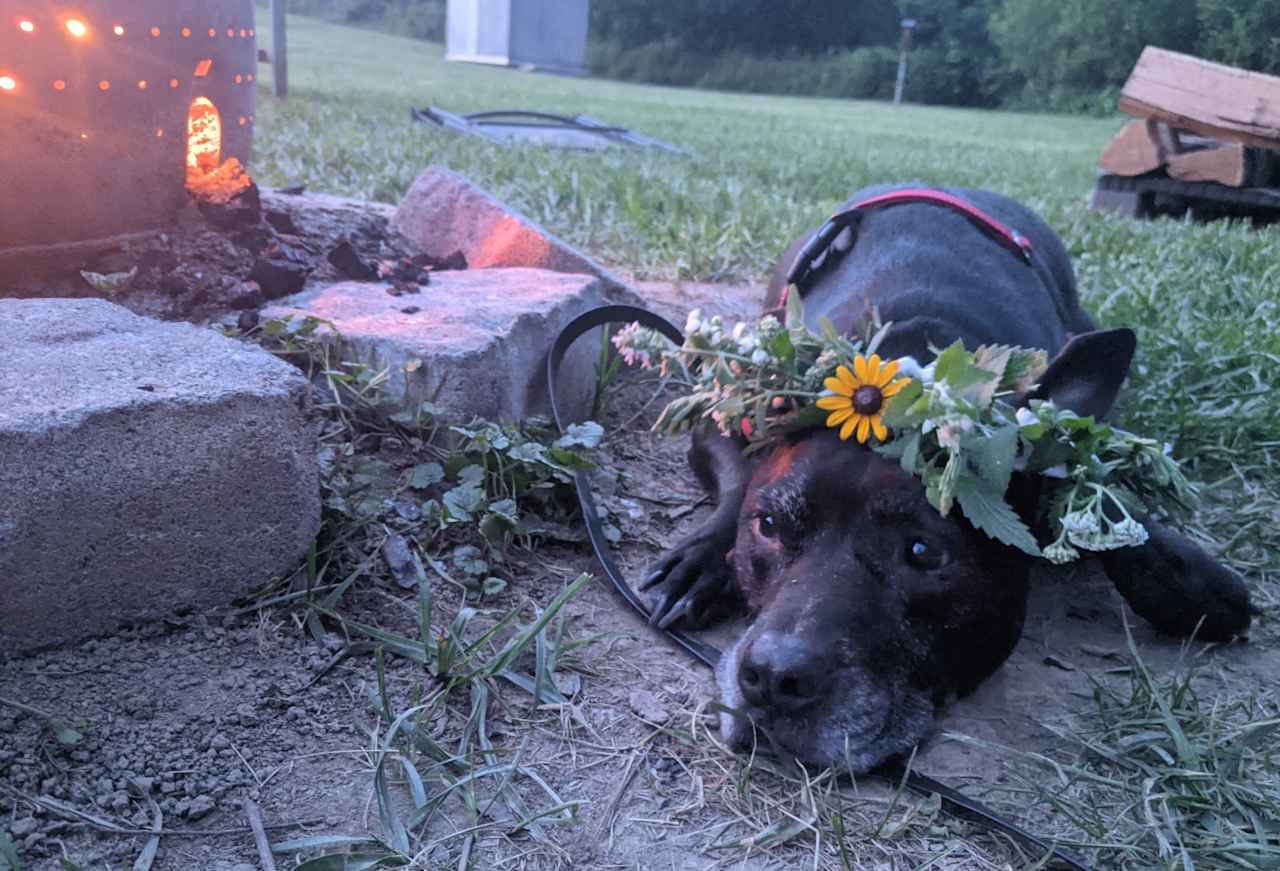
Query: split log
[[1131, 152], [1231, 164], [1212, 99]]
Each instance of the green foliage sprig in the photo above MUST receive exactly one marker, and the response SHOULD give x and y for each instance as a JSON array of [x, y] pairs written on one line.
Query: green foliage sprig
[[959, 426]]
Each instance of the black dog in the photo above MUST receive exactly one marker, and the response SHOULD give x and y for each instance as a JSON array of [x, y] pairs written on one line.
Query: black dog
[[870, 609]]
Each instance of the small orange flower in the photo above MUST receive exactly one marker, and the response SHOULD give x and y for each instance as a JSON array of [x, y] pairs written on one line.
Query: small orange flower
[[859, 399]]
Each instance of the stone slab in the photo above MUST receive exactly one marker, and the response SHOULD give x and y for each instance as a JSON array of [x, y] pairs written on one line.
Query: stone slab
[[443, 212], [146, 468], [474, 341]]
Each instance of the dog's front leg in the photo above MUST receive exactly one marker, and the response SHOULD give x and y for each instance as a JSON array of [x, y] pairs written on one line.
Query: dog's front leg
[[693, 581]]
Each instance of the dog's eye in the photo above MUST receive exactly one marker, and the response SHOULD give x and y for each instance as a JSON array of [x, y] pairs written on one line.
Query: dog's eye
[[925, 556], [767, 526]]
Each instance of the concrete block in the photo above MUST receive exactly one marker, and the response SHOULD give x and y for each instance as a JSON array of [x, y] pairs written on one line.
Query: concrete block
[[145, 468], [444, 212], [474, 341]]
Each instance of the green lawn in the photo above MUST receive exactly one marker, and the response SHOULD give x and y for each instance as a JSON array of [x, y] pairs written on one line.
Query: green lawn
[[764, 168]]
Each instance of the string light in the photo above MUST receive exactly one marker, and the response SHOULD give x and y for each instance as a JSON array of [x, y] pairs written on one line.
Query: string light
[[27, 26], [8, 83], [77, 28]]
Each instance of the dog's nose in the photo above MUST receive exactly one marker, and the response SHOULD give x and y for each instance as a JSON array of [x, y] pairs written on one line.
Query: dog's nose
[[782, 672]]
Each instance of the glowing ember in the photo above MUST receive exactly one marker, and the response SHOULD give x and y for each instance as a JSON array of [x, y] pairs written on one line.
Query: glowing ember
[[204, 139], [77, 28]]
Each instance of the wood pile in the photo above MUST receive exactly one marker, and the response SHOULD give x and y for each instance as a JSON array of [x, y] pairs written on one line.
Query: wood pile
[[1200, 122]]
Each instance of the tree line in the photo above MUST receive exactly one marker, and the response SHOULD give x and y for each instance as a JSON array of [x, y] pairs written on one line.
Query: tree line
[[1049, 54], [1067, 55]]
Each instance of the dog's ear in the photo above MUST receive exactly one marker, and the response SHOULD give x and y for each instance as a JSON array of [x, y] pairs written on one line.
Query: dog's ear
[[1173, 583], [1087, 373]]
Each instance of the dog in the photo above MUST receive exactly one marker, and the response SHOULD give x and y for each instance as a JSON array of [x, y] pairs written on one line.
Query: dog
[[868, 609]]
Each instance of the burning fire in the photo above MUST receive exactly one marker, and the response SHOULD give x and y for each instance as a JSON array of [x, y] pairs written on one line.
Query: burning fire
[[204, 139]]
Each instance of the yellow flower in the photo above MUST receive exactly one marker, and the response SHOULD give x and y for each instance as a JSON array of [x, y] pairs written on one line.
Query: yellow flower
[[860, 397]]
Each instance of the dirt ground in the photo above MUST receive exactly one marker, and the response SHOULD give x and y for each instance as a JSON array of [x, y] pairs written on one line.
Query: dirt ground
[[192, 717]]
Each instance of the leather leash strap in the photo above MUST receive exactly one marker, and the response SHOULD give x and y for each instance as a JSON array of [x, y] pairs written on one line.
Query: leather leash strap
[[953, 799], [810, 259]]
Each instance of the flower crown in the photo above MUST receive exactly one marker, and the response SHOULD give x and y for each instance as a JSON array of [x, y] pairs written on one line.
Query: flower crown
[[953, 423]]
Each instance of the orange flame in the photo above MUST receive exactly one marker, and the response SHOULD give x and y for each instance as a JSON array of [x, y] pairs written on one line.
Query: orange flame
[[204, 138]]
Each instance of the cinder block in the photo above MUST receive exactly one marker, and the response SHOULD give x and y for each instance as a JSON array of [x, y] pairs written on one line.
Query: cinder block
[[473, 341], [145, 468]]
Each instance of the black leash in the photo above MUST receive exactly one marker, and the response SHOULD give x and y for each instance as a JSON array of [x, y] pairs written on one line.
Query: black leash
[[954, 800]]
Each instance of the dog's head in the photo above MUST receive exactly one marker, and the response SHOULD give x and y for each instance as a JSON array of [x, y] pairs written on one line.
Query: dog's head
[[869, 608]]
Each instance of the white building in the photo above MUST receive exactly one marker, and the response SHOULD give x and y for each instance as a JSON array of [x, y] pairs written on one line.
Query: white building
[[545, 34]]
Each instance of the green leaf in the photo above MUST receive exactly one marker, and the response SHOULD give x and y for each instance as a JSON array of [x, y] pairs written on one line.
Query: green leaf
[[353, 862], [994, 358], [467, 558], [782, 347], [898, 413], [953, 359], [1023, 369], [910, 452], [581, 435], [471, 474], [987, 510], [65, 734], [426, 474], [955, 367], [9, 858], [948, 482], [320, 842], [463, 501], [994, 455]]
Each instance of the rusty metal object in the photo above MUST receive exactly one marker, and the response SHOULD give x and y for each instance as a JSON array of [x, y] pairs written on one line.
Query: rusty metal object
[[96, 101]]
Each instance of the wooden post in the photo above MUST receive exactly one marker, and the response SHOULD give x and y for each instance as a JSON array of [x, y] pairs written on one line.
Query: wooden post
[[279, 49], [907, 25]]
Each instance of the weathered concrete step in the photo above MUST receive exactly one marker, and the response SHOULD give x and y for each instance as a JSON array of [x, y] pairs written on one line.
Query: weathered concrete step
[[473, 341], [145, 468]]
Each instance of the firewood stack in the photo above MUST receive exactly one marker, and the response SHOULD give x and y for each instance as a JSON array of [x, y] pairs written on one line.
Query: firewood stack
[[1204, 127]]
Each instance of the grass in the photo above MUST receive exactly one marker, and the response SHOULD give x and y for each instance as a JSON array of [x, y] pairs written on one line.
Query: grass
[[1165, 778], [1157, 777]]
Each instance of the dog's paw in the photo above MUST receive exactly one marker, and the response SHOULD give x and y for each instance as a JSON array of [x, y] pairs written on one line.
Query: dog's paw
[[1182, 590], [692, 583]]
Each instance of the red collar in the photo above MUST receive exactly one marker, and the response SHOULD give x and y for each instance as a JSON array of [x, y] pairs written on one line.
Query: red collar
[[811, 258]]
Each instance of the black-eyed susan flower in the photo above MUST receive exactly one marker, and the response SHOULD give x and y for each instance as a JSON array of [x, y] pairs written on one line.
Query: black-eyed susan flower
[[860, 395]]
